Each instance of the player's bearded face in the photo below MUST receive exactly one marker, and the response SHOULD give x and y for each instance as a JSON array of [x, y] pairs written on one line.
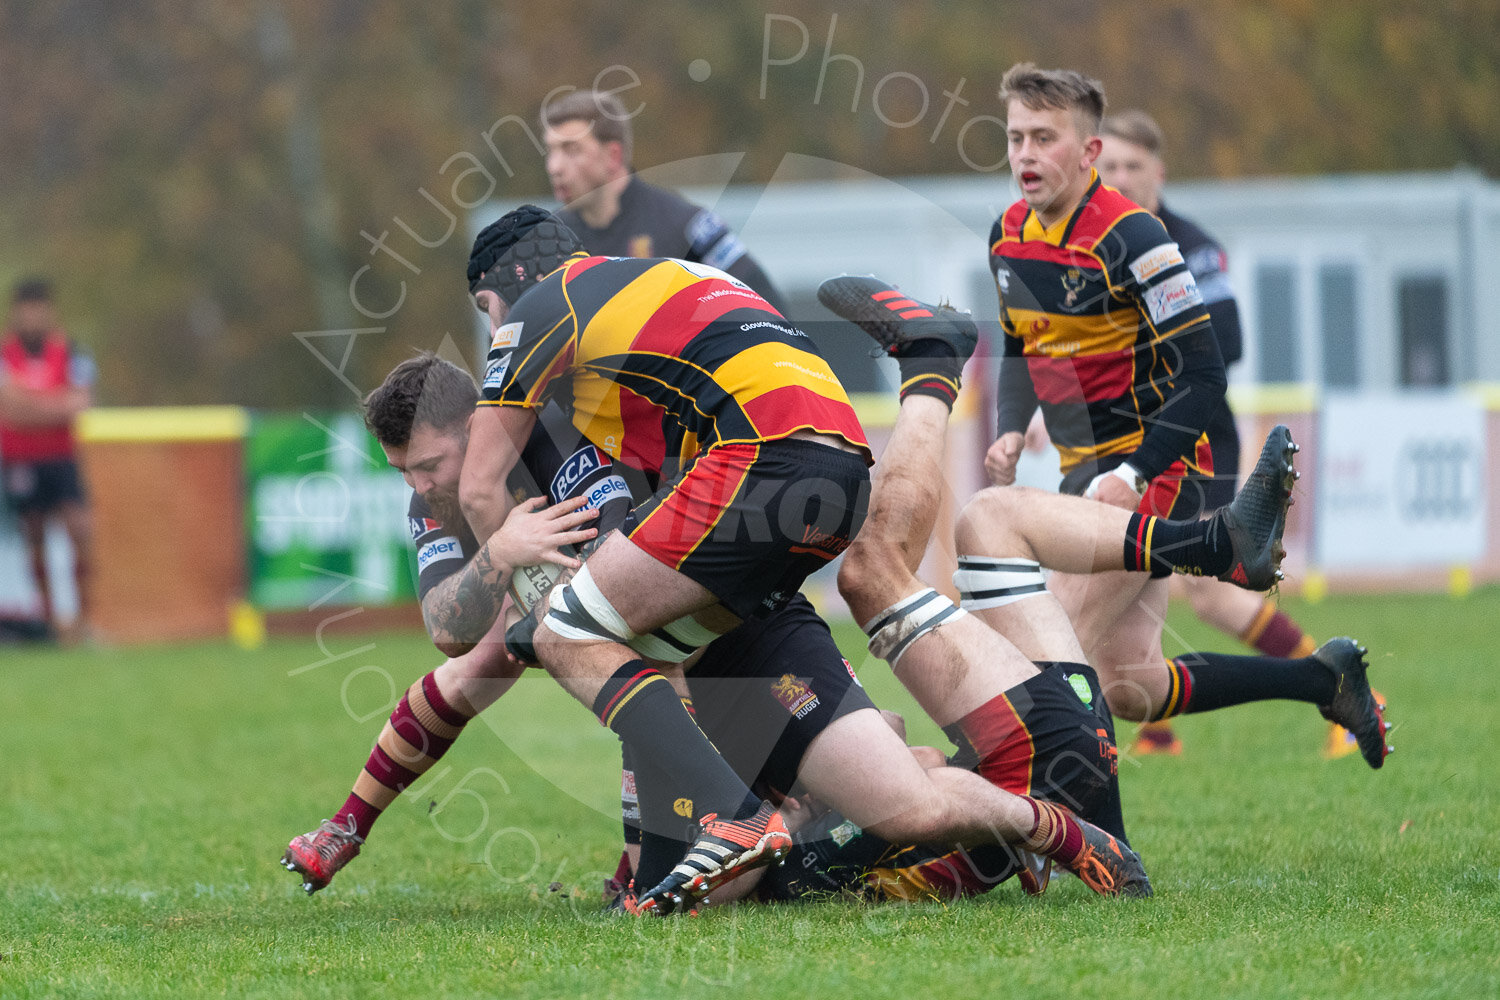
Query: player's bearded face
[[441, 493], [431, 463], [445, 507]]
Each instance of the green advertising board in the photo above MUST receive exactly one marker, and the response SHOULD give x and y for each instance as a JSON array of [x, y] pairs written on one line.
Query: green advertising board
[[326, 515]]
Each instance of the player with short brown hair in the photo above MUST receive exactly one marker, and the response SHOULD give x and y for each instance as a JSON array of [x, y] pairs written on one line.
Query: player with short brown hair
[[1107, 331]]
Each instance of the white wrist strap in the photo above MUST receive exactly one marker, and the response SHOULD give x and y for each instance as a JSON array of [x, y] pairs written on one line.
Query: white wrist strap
[[1125, 473]]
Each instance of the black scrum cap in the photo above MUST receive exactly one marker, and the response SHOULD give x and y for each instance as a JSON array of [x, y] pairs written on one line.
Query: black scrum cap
[[517, 250]]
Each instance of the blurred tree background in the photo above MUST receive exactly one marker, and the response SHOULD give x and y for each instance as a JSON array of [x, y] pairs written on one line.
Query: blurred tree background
[[218, 185]]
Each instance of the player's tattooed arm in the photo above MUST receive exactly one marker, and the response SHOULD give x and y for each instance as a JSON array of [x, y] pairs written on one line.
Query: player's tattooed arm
[[460, 609]]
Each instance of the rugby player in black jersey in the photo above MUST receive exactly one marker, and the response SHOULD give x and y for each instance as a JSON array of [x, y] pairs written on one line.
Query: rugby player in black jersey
[[589, 142]]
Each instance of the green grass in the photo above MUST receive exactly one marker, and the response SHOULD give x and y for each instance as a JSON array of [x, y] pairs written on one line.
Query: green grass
[[150, 792]]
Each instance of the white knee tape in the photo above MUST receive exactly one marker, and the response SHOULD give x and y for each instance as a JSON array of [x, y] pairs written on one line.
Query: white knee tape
[[659, 646], [689, 632], [674, 641], [579, 610], [992, 583], [894, 630]]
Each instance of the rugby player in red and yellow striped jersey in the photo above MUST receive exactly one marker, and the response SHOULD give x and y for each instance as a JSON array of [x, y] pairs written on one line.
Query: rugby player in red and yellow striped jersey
[[663, 359], [1106, 329], [681, 371]]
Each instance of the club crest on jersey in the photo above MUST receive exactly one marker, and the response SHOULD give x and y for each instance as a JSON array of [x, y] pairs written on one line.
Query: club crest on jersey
[[1073, 283], [794, 694], [844, 832], [581, 463]]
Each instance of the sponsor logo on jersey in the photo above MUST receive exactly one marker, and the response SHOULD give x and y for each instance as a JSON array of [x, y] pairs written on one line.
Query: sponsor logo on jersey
[[494, 374], [1080, 686], [794, 694], [816, 537], [443, 548], [683, 807], [581, 463], [1175, 295], [1108, 752], [606, 490], [1154, 261], [419, 526], [852, 676], [509, 335]]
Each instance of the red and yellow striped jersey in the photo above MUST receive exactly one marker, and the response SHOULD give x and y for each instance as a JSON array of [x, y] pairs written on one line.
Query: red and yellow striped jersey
[[1093, 304], [659, 359]]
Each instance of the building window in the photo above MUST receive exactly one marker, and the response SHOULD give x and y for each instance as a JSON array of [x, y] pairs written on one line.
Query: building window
[[1422, 305], [1276, 319], [1338, 303]]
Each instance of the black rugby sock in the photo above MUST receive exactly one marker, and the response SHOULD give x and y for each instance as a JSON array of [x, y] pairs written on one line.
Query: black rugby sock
[[930, 368], [640, 705], [1203, 682], [1159, 546], [666, 834]]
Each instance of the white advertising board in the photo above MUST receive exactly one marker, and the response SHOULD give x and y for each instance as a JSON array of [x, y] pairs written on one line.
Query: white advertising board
[[1401, 481]]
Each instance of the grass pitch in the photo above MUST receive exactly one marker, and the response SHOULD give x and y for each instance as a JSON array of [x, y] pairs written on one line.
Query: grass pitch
[[150, 792]]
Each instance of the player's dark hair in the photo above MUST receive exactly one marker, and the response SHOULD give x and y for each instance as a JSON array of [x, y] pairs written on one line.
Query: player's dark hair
[[32, 290], [422, 390], [1066, 89], [1137, 128], [607, 117]]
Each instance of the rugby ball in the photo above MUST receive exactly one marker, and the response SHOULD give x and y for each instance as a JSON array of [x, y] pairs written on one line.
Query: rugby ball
[[530, 584]]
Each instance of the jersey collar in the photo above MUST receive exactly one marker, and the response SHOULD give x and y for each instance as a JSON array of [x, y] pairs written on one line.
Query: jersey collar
[[1059, 232]]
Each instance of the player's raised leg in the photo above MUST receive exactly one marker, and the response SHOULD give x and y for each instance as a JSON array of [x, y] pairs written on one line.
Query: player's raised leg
[[1240, 543], [954, 666]]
